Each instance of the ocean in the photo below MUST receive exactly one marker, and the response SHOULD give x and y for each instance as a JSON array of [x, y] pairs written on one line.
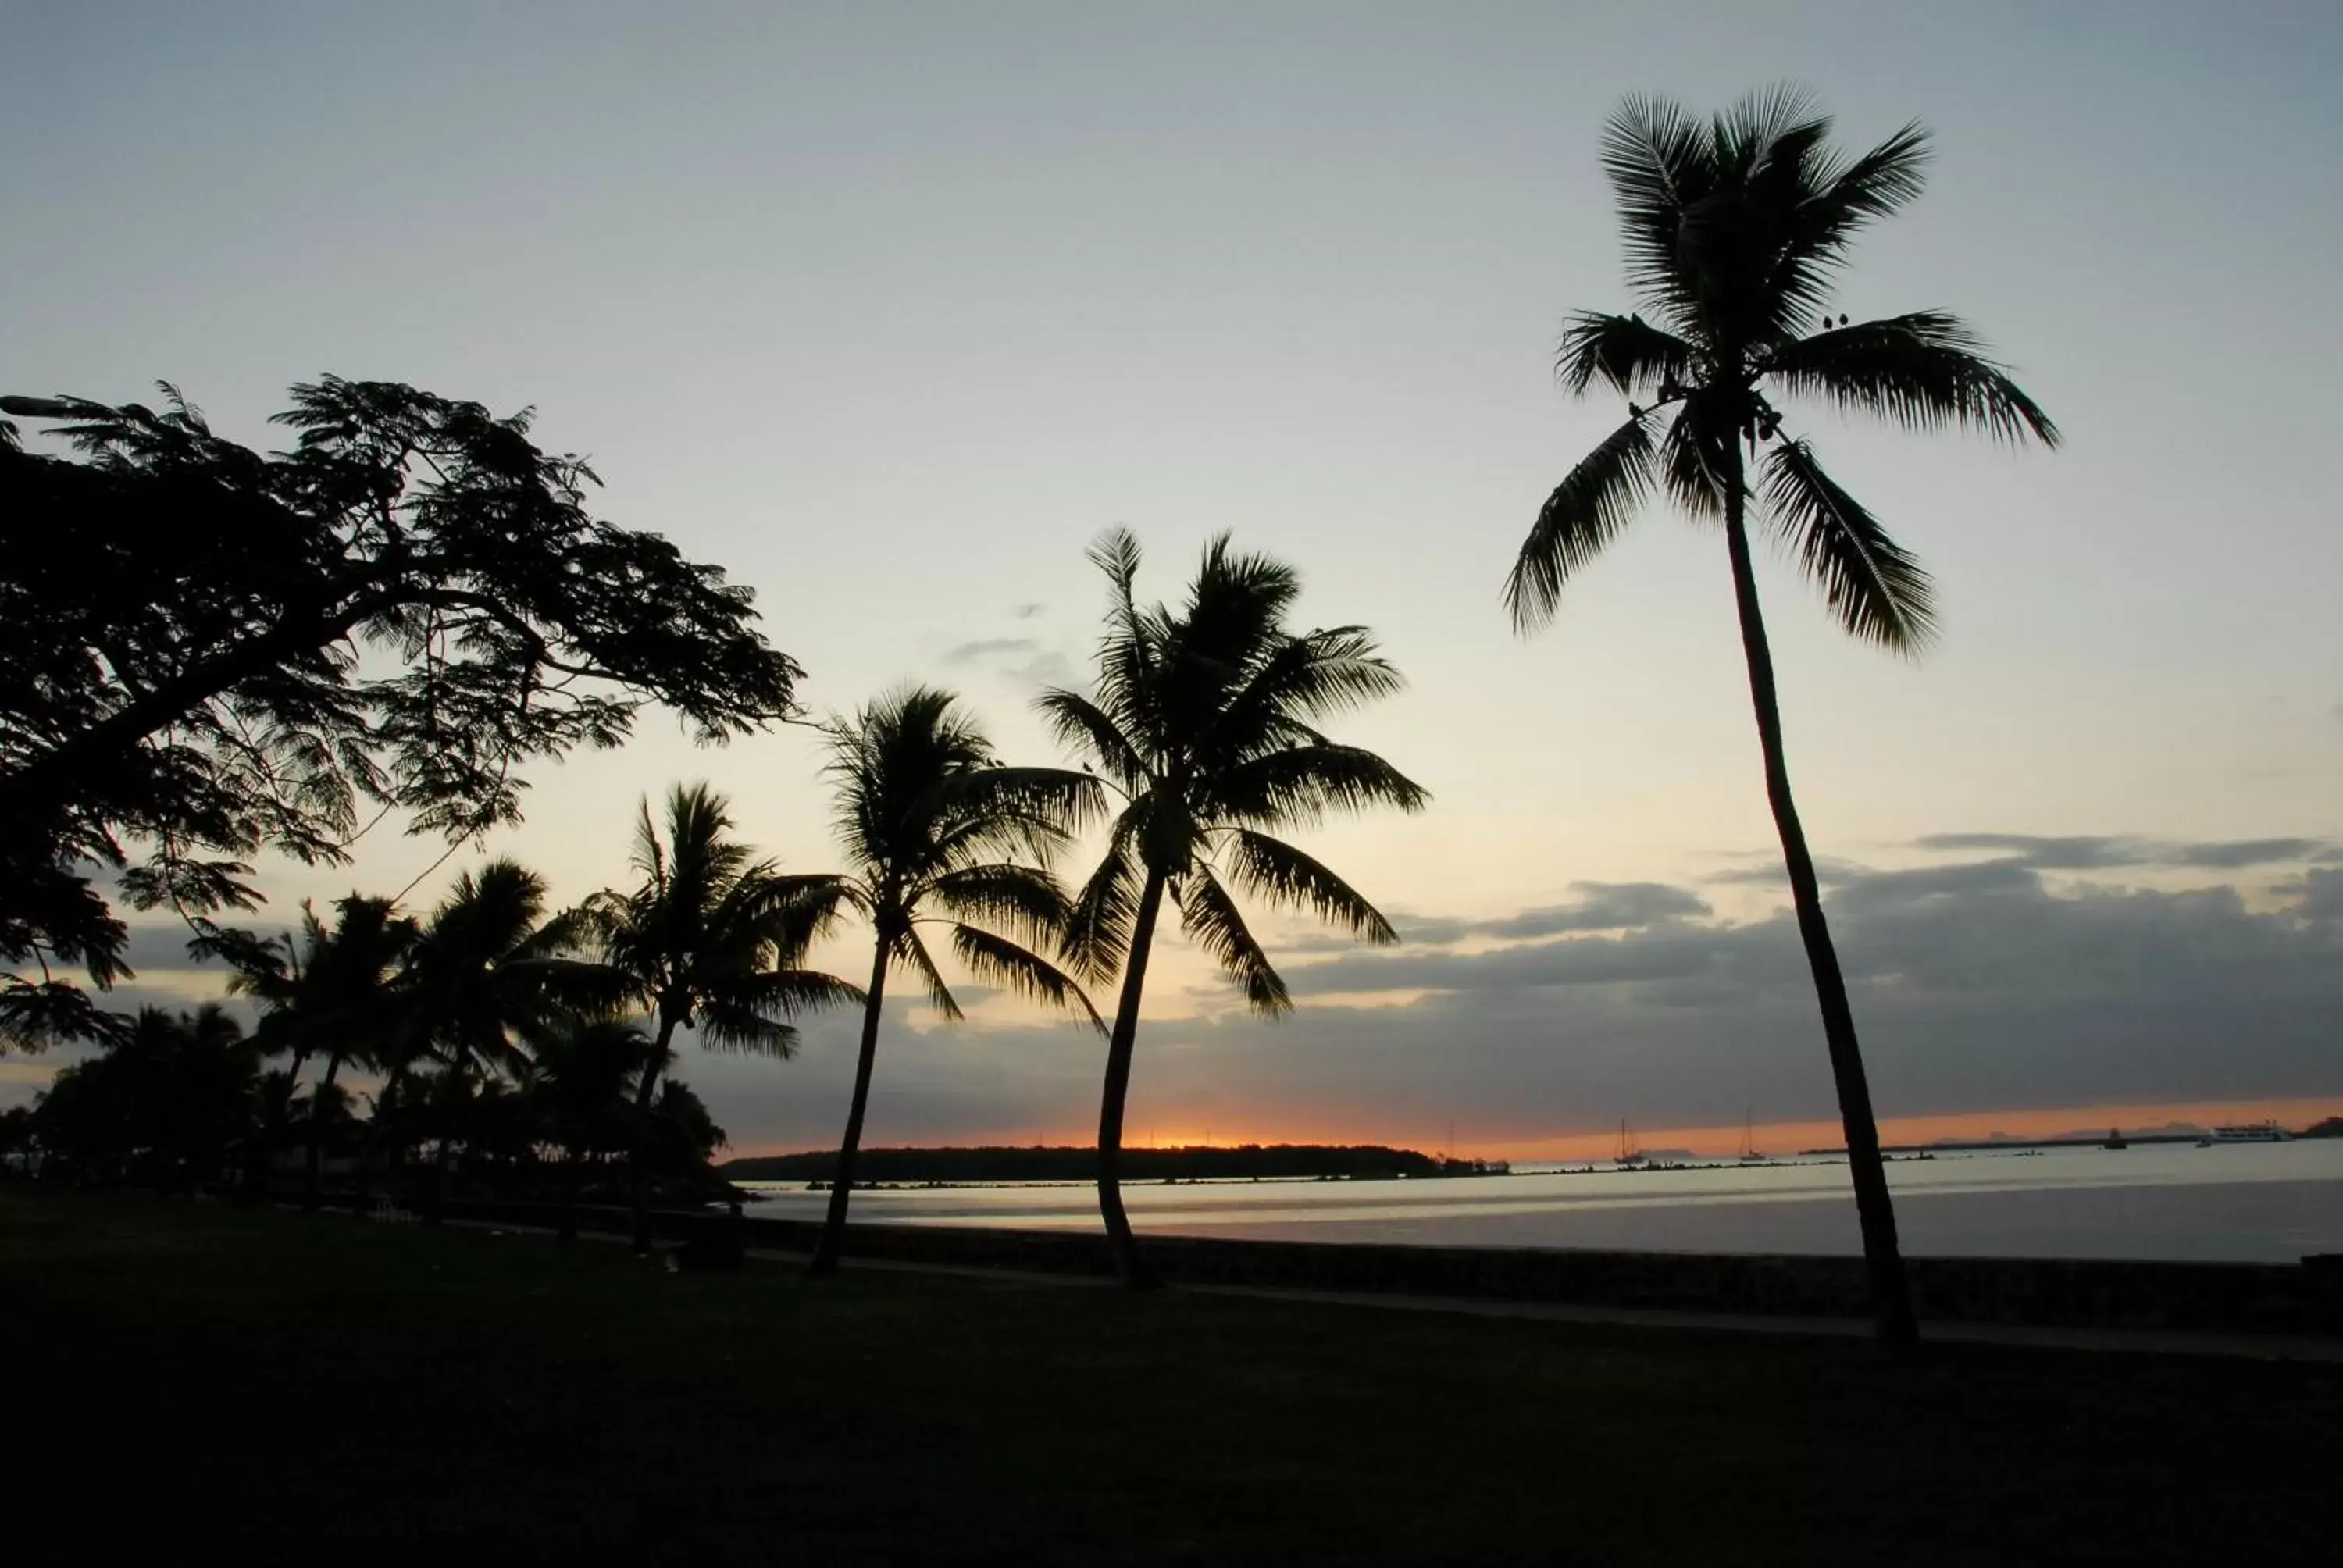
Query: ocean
[[2248, 1202]]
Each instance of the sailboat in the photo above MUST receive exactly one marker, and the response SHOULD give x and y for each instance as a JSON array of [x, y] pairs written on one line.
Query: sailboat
[[1749, 1155], [1629, 1155]]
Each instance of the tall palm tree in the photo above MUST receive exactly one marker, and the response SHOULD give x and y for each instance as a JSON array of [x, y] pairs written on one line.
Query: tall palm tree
[[1737, 230], [934, 826], [1204, 721], [709, 940], [333, 993]]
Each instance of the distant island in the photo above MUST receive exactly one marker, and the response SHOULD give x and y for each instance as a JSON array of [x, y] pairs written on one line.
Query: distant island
[[1325, 1161]]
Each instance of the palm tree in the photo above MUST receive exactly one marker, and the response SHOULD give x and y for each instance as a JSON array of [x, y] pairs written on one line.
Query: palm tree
[[1204, 723], [708, 939], [1736, 231], [487, 969], [931, 821], [577, 1079], [334, 993]]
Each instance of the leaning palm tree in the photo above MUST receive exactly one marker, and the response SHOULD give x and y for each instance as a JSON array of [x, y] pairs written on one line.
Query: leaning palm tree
[[708, 939], [1737, 230], [935, 828], [1204, 721]]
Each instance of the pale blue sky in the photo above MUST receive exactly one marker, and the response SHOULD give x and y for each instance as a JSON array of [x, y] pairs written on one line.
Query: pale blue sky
[[890, 309]]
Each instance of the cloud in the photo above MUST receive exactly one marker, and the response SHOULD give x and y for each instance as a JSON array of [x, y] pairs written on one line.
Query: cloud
[[1975, 987], [1050, 668], [2318, 895], [2106, 852], [1599, 907], [1039, 668], [984, 647]]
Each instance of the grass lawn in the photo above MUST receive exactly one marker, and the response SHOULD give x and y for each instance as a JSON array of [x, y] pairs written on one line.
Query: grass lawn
[[195, 1383]]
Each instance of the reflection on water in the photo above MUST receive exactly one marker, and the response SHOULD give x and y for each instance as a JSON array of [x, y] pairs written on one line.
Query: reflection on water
[[2243, 1202]]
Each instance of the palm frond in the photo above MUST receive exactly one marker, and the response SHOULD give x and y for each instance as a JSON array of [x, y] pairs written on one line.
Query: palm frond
[[1694, 457], [1660, 160], [1876, 588], [1301, 785], [1845, 199], [1029, 810], [915, 953], [1077, 722], [1627, 351], [1584, 513], [1280, 875], [1925, 371], [1019, 899], [999, 962], [1099, 923], [1775, 124], [1126, 654], [1208, 914], [748, 1014], [1304, 677]]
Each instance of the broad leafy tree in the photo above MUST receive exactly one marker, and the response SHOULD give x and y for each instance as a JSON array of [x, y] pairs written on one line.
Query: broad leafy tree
[[940, 835], [206, 651], [1737, 230], [709, 939], [1204, 721]]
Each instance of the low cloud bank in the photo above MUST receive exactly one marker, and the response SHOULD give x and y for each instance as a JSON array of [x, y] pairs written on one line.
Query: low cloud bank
[[1979, 985]]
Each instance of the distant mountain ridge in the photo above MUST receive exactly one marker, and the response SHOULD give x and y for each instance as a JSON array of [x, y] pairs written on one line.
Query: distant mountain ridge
[[1076, 1163]]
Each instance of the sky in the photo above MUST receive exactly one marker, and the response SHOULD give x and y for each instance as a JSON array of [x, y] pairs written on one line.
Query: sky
[[891, 309]]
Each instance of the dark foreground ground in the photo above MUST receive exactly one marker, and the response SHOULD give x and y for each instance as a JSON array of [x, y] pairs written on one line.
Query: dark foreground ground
[[195, 1383]]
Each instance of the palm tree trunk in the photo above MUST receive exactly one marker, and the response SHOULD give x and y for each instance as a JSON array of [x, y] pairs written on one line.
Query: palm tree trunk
[[1127, 1260], [842, 1181], [646, 1094], [310, 1161], [1891, 1301]]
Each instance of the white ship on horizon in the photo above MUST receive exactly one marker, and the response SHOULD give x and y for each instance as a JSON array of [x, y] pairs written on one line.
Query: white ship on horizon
[[2247, 1132]]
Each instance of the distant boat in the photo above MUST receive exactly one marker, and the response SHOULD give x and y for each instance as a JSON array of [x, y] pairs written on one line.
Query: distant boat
[[2115, 1139], [1629, 1155], [1749, 1155], [2249, 1132]]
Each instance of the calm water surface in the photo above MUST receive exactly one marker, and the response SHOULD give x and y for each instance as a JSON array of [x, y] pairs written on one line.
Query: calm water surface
[[2267, 1203]]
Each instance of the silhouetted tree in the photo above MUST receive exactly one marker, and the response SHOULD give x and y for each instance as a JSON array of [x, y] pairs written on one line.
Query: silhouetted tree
[[708, 939], [334, 994], [1736, 231], [1204, 721], [172, 1101], [579, 1080], [487, 968], [934, 827], [205, 651], [683, 1136]]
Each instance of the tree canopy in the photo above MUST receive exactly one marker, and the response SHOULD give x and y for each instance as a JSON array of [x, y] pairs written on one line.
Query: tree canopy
[[206, 651]]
